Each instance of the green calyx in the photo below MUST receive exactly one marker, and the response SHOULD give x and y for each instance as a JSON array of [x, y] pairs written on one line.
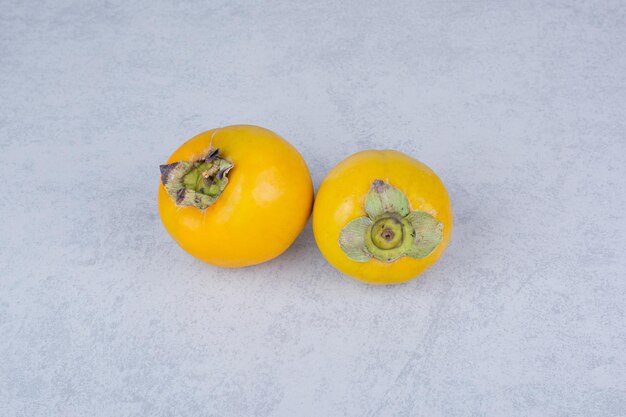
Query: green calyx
[[390, 230], [196, 183]]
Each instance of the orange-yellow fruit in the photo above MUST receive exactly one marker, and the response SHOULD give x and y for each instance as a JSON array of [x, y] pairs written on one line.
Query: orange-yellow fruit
[[248, 213], [382, 217]]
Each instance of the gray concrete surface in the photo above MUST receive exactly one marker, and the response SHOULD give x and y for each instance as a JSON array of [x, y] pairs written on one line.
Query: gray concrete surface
[[520, 106]]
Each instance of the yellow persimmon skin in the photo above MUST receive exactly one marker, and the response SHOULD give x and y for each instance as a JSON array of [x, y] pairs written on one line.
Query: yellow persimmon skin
[[341, 199], [263, 208]]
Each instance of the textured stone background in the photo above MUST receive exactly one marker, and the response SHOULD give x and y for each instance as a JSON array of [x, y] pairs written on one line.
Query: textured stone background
[[520, 106]]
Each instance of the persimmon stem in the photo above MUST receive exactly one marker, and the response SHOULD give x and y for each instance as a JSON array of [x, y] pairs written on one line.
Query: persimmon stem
[[387, 233], [196, 183]]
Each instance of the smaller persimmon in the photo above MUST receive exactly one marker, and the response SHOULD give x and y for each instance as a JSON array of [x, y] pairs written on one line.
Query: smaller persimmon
[[382, 217]]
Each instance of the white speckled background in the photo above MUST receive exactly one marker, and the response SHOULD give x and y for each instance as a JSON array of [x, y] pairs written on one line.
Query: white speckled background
[[520, 106]]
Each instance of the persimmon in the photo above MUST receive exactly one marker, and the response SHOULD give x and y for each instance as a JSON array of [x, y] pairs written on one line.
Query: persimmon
[[235, 196], [382, 217]]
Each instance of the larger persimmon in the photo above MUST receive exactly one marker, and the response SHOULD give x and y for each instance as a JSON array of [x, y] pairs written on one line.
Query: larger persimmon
[[235, 196]]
